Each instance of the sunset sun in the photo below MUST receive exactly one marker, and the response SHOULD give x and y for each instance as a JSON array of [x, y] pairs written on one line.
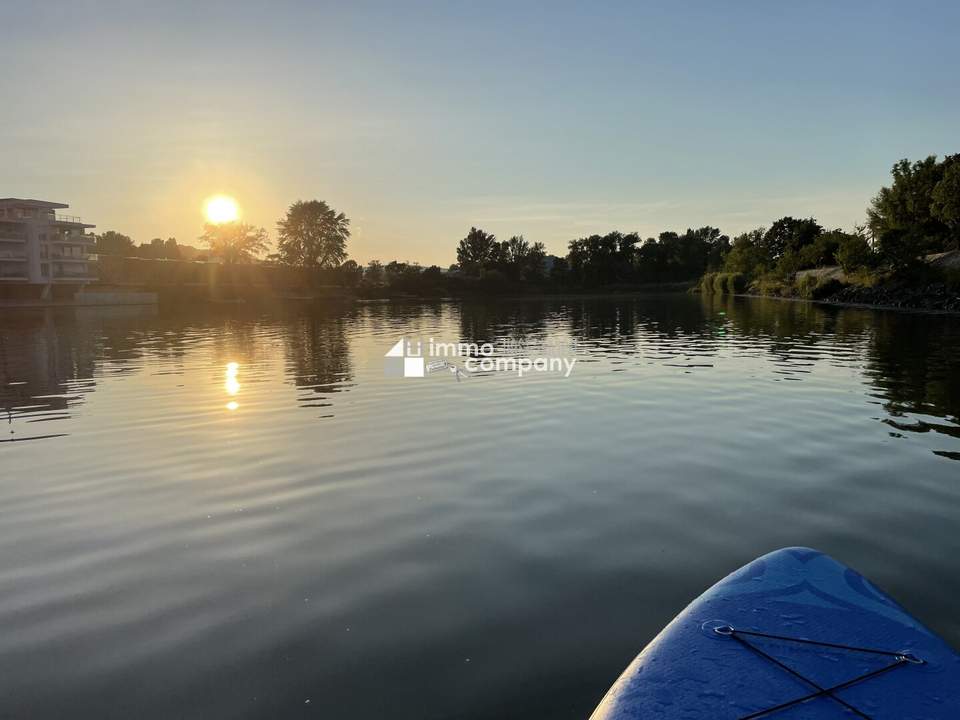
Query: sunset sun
[[221, 209]]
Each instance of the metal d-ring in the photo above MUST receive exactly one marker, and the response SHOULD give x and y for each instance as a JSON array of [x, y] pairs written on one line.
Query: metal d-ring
[[910, 658]]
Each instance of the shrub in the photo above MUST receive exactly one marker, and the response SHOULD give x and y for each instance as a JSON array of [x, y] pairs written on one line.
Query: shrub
[[822, 251], [855, 253], [723, 283], [706, 283], [901, 249], [806, 285], [734, 283]]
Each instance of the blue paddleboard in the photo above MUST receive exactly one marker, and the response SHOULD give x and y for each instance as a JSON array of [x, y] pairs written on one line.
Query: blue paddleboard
[[793, 635]]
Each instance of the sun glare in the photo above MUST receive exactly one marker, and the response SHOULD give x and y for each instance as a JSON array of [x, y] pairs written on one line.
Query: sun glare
[[221, 209]]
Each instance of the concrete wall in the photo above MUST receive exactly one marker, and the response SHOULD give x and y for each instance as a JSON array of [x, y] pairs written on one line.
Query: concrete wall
[[115, 298]]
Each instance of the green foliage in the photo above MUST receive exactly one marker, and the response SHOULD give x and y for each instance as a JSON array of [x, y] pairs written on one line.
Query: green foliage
[[946, 199], [312, 234], [747, 255], [113, 243], [787, 237], [373, 273], [159, 249], [734, 283], [235, 242], [620, 258], [898, 248], [854, 253], [518, 259], [822, 252], [805, 285], [351, 274], [707, 283], [723, 283], [478, 252], [915, 213]]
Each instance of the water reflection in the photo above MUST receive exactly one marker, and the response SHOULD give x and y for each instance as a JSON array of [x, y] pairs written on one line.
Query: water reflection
[[231, 385], [228, 512], [50, 360]]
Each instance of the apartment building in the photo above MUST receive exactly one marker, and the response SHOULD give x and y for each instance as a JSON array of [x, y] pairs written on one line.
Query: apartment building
[[41, 248]]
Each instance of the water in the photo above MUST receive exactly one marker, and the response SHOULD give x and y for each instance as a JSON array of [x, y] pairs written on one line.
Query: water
[[233, 513]]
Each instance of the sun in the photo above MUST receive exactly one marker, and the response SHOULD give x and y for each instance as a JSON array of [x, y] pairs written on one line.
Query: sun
[[221, 209]]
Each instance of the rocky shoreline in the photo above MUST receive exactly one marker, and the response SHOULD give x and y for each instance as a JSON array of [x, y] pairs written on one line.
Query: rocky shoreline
[[937, 297]]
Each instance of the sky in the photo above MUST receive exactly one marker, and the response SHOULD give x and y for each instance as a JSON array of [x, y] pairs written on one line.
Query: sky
[[419, 120]]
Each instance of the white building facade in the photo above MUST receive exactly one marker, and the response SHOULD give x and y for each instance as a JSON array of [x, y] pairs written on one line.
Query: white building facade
[[39, 247]]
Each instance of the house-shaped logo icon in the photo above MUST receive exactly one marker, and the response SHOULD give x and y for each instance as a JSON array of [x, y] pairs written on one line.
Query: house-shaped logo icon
[[405, 359]]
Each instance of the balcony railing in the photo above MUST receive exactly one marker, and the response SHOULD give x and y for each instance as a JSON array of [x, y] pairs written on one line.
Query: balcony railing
[[10, 255], [68, 218], [77, 239]]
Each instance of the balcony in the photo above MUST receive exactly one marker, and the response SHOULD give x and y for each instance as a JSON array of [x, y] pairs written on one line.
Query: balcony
[[60, 276], [13, 255], [77, 239], [8, 234]]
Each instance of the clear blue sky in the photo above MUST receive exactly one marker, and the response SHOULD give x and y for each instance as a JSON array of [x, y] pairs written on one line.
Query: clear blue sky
[[548, 119]]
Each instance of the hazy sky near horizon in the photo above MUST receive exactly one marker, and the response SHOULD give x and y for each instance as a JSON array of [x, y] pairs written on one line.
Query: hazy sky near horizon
[[552, 120]]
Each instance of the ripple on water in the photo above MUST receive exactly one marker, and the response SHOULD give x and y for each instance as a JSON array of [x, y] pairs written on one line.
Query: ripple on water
[[227, 513]]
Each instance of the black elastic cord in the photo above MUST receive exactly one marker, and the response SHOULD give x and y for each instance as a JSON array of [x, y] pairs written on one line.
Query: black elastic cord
[[821, 690], [815, 642], [826, 691]]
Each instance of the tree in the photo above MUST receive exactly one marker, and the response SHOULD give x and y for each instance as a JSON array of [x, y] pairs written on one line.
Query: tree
[[477, 252], [897, 247], [533, 263], [313, 235], [855, 252], [946, 198], [747, 254], [909, 207], [788, 236], [516, 250], [113, 243], [822, 251], [171, 250], [235, 242], [350, 273], [374, 272], [154, 251]]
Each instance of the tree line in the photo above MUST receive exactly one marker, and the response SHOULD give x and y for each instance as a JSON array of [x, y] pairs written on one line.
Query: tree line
[[311, 234], [919, 213]]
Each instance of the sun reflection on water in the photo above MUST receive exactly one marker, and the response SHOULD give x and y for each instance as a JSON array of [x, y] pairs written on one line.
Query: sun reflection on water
[[230, 383]]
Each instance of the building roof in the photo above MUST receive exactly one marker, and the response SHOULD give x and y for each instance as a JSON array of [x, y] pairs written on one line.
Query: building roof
[[42, 204]]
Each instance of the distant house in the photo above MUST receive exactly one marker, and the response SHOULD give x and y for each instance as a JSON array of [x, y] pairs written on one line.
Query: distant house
[[40, 249]]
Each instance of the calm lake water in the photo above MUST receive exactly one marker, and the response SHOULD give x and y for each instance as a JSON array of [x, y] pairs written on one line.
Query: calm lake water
[[233, 513]]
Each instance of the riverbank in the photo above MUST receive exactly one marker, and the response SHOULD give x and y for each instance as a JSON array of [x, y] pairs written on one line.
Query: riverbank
[[932, 285], [935, 298]]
